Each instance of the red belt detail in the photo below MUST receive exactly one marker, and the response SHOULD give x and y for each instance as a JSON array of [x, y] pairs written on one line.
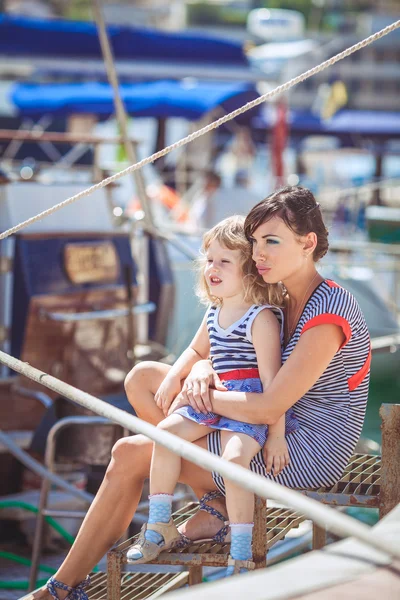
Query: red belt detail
[[359, 377], [240, 374]]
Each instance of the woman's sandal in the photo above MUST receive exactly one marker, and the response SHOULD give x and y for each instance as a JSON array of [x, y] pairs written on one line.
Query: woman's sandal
[[74, 593], [150, 550], [222, 535]]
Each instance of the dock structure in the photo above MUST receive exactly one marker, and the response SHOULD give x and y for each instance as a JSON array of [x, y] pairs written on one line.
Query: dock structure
[[346, 569]]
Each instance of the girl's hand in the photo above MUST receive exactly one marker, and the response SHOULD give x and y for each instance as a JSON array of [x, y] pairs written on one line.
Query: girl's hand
[[177, 403], [276, 454], [196, 387], [168, 390]]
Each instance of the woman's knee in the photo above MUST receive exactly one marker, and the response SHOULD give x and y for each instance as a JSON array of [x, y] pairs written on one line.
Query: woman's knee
[[131, 456], [140, 379]]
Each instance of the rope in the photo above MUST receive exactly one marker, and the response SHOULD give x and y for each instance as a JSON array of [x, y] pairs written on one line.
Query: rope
[[228, 117], [339, 523]]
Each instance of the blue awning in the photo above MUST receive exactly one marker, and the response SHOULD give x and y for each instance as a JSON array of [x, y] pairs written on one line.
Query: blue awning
[[21, 36], [189, 100], [344, 123]]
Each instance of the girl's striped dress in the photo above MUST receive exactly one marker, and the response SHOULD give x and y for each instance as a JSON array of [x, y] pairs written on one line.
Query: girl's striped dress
[[234, 359], [331, 413]]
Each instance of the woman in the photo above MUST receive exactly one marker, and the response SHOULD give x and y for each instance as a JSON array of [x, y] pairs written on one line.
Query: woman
[[324, 377]]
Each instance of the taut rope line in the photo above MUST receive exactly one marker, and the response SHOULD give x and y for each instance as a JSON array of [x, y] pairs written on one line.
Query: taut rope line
[[228, 117], [334, 521]]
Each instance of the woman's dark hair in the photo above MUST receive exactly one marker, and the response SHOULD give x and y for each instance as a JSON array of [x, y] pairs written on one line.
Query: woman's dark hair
[[298, 209]]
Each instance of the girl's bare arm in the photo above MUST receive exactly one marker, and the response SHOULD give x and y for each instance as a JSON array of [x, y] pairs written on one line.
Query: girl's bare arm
[[308, 361]]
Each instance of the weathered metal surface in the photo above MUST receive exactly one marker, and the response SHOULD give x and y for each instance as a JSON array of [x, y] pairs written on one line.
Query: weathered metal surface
[[358, 486], [390, 480], [114, 573], [259, 537], [319, 537], [195, 575], [135, 586]]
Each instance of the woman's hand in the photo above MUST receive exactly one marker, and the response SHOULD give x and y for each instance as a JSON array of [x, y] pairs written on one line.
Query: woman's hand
[[178, 402], [168, 390], [196, 387], [276, 454]]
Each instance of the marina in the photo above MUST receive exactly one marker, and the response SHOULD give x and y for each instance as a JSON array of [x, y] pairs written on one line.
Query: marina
[[105, 280]]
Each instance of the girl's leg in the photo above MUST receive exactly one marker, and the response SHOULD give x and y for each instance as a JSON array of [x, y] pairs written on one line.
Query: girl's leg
[[165, 465], [239, 449], [164, 474]]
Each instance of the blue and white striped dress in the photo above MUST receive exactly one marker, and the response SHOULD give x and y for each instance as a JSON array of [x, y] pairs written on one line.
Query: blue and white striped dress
[[331, 413], [234, 358]]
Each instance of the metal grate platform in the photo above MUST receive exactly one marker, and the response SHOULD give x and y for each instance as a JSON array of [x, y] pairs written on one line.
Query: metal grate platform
[[279, 521], [358, 486], [138, 586]]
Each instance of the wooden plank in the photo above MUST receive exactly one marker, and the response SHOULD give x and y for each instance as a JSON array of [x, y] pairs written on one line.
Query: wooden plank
[[390, 481]]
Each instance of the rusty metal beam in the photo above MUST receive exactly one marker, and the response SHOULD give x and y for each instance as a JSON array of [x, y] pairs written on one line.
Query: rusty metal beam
[[390, 477], [59, 137]]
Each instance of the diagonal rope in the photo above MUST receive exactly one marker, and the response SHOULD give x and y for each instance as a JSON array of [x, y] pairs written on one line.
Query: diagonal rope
[[228, 117]]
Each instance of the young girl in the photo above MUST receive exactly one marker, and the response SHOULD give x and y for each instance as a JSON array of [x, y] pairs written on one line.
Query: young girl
[[242, 335]]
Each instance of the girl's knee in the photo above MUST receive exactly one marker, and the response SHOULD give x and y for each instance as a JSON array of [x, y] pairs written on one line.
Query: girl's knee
[[236, 451], [174, 424]]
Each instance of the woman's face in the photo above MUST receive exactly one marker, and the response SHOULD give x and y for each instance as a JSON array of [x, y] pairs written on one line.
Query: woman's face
[[277, 251]]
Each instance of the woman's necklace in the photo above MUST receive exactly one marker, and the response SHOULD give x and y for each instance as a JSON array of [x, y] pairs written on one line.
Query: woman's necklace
[[291, 328]]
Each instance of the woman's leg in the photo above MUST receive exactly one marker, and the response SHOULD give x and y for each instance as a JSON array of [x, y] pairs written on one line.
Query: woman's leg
[[141, 385], [122, 487]]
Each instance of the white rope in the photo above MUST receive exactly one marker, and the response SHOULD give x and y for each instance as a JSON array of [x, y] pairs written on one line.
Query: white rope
[[339, 523], [232, 115]]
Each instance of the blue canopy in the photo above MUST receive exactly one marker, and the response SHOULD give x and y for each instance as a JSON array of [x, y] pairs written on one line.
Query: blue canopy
[[344, 123], [189, 100], [59, 38]]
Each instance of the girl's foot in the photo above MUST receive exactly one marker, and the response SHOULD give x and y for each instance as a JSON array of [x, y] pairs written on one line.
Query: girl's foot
[[145, 550]]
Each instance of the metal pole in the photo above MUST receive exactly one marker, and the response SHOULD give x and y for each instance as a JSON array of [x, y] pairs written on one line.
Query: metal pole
[[120, 109], [338, 523]]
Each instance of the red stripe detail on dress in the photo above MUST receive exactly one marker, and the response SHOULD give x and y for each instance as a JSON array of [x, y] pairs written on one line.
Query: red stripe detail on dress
[[332, 284], [330, 319], [359, 377], [240, 374]]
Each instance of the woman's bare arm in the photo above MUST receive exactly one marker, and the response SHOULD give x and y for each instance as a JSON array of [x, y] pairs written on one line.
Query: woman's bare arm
[[308, 361]]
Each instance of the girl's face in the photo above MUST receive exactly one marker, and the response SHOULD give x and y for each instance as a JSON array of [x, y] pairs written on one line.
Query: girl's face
[[223, 271], [277, 251]]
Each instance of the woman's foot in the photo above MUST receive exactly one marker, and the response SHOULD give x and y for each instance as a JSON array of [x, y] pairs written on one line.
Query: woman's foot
[[44, 594], [204, 525]]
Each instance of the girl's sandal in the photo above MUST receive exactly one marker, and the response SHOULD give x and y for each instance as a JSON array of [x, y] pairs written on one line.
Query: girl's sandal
[[150, 550], [222, 536], [76, 593], [237, 567]]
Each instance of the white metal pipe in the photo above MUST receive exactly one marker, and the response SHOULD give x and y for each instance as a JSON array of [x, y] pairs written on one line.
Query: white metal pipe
[[334, 521]]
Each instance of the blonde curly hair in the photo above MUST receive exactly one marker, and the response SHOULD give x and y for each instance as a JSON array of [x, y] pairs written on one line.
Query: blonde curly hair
[[229, 233]]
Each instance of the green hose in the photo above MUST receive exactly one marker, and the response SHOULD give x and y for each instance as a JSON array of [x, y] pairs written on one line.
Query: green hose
[[17, 504], [23, 585]]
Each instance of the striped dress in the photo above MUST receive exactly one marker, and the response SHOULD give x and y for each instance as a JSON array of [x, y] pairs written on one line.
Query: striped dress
[[331, 413], [234, 358]]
